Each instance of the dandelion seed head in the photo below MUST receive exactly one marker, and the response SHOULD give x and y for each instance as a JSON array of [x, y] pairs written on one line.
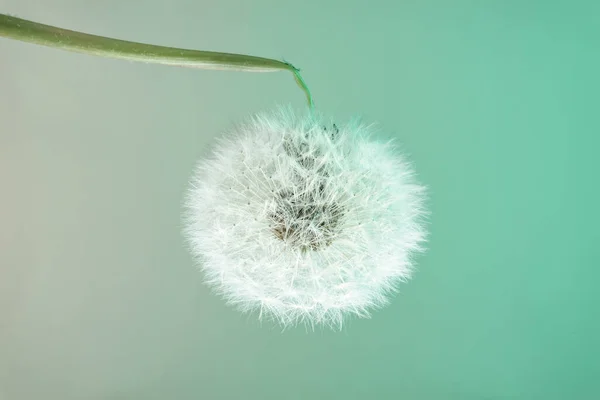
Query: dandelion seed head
[[304, 221]]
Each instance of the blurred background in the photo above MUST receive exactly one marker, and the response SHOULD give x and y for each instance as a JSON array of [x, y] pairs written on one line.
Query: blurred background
[[496, 103]]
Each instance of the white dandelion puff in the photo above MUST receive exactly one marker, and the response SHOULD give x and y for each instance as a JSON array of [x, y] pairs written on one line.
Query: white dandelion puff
[[303, 221]]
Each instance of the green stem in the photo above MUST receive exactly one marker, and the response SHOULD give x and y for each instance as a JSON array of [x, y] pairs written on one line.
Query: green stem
[[46, 35]]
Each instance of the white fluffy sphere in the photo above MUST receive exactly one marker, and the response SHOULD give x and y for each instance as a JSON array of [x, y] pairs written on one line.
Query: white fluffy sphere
[[304, 221]]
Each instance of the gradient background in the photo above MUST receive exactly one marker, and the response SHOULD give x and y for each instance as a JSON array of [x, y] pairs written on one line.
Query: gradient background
[[496, 103]]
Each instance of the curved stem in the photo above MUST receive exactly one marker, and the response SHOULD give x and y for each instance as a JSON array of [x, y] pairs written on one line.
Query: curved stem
[[51, 36]]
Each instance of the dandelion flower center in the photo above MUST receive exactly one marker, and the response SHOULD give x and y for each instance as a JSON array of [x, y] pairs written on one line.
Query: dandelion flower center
[[305, 220]]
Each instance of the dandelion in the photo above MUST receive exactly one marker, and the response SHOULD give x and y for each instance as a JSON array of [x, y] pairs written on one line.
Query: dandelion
[[293, 217], [303, 221]]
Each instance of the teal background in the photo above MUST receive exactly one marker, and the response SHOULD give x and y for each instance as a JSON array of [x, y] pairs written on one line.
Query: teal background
[[496, 102]]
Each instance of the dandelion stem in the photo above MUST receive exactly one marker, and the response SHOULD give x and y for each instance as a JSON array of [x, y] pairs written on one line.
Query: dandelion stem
[[51, 36]]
